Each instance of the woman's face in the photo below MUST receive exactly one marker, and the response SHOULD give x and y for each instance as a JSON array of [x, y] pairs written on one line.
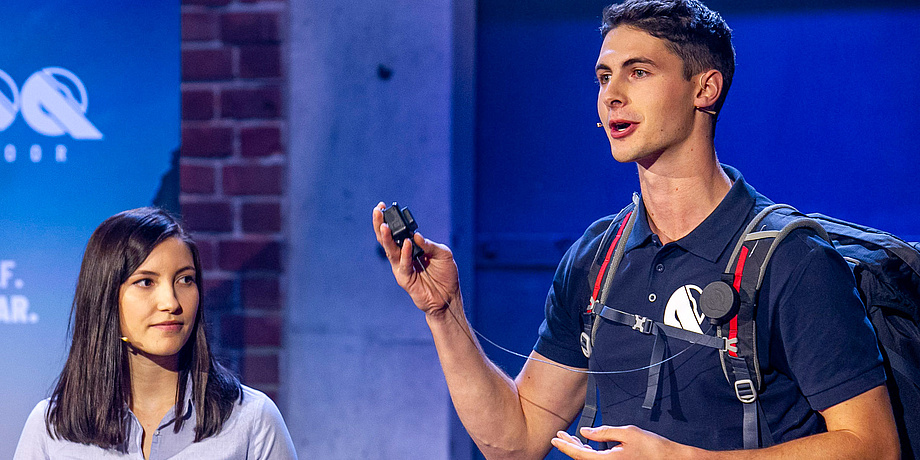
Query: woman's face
[[158, 303]]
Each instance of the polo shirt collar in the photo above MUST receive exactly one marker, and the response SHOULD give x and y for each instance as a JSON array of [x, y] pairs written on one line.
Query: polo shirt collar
[[708, 240]]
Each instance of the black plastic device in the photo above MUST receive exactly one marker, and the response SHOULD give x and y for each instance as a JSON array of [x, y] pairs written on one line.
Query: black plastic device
[[719, 301], [403, 226]]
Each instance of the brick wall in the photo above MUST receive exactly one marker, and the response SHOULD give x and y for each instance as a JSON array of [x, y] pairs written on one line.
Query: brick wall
[[233, 167]]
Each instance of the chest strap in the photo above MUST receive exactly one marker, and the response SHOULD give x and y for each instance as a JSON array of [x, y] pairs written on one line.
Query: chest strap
[[661, 332]]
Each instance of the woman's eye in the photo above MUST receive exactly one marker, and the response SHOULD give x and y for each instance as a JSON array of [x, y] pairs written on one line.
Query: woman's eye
[[144, 282], [187, 279]]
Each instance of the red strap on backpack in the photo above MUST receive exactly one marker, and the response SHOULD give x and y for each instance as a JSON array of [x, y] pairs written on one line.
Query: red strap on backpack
[[736, 283], [600, 274]]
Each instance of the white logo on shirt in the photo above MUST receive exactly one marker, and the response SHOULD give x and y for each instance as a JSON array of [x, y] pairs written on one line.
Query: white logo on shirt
[[683, 309]]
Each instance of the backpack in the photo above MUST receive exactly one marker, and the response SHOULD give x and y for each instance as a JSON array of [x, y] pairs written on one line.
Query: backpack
[[887, 272]]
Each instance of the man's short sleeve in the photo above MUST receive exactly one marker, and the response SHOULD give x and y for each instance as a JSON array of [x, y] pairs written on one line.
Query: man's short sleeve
[[568, 298], [826, 343]]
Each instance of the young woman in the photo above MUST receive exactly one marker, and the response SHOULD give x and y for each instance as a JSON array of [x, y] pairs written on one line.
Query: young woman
[[140, 381]]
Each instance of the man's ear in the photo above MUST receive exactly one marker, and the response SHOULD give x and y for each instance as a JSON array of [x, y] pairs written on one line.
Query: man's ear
[[710, 88]]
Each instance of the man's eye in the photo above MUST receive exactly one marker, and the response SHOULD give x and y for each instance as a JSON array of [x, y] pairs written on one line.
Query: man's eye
[[639, 73], [603, 79]]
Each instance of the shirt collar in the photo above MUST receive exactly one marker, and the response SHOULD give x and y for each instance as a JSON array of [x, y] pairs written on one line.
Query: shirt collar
[[708, 240], [189, 409]]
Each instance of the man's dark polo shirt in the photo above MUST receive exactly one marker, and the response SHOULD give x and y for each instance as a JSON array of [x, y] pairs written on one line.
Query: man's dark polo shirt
[[822, 349]]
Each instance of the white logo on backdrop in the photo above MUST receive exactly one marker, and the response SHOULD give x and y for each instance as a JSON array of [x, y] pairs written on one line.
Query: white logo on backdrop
[[53, 102], [8, 108], [14, 308]]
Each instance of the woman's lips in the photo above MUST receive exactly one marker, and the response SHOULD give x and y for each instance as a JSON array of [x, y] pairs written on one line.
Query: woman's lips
[[168, 326]]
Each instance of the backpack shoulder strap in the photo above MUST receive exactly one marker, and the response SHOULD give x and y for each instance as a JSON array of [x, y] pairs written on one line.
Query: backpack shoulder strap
[[606, 261], [745, 273]]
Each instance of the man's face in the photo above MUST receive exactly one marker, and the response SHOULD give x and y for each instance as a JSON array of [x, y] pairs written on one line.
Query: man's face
[[643, 100]]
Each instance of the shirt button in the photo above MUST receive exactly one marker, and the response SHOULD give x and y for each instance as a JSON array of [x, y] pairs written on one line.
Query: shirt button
[[659, 268], [652, 297]]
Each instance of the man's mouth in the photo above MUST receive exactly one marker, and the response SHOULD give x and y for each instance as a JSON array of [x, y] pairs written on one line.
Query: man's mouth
[[620, 128]]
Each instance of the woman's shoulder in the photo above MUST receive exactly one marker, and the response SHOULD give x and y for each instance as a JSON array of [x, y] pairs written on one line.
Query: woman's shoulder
[[34, 434], [256, 404], [37, 416]]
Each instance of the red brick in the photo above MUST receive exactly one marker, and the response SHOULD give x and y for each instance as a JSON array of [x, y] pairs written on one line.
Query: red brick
[[249, 255], [208, 217], [264, 102], [199, 26], [249, 27], [197, 104], [260, 61], [205, 252], [207, 64], [239, 331], [263, 331], [219, 294], [207, 141], [261, 293], [196, 179], [253, 180], [261, 217], [260, 141], [260, 369]]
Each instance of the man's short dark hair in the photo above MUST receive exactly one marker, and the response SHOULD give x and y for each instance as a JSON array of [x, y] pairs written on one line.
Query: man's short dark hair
[[698, 35]]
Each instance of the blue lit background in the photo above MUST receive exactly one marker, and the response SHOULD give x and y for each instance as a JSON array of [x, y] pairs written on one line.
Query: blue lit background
[[128, 59]]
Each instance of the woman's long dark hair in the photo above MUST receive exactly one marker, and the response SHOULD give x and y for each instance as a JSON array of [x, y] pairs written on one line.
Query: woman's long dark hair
[[90, 401]]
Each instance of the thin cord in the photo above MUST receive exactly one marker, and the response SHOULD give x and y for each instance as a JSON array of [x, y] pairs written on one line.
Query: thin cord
[[434, 286]]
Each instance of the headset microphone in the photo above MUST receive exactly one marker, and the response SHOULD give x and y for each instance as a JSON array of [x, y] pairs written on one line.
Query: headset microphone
[[131, 345]]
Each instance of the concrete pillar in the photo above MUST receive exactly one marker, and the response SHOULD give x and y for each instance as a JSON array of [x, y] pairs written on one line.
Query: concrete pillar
[[369, 120]]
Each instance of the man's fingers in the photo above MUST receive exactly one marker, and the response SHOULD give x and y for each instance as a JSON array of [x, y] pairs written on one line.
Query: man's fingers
[[569, 438], [609, 433], [405, 257], [385, 238], [377, 218], [572, 446]]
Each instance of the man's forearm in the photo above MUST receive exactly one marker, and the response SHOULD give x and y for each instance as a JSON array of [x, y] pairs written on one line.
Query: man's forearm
[[861, 427], [486, 399], [834, 444]]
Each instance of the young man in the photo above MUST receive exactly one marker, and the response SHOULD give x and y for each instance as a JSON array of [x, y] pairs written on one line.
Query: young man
[[663, 71]]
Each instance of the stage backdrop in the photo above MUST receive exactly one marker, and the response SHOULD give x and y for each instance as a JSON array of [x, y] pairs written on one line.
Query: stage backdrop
[[89, 123]]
